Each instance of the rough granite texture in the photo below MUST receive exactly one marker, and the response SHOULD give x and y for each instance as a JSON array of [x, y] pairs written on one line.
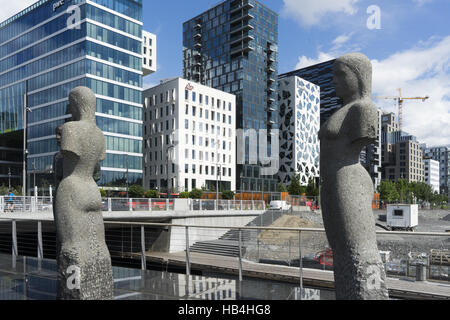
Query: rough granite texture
[[347, 188], [78, 217]]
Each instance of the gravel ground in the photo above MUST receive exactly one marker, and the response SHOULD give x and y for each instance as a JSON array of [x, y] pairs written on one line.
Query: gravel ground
[[399, 245]]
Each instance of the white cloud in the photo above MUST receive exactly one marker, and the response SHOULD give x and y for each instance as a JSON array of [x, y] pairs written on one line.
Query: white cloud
[[420, 71], [311, 12], [304, 61], [423, 70], [10, 8], [421, 2]]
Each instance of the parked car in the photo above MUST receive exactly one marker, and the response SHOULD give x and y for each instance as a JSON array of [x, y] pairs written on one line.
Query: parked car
[[279, 205]]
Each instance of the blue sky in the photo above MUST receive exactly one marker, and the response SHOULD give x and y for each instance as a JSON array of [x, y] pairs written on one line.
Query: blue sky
[[411, 50]]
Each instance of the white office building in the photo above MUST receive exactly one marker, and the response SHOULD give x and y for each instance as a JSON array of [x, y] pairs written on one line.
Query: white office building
[[432, 174], [149, 53], [189, 137], [299, 104]]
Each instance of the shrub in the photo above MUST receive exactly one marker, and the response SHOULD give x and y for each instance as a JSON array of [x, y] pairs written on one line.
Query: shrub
[[196, 194], [103, 193], [152, 194], [228, 195], [184, 195], [136, 191]]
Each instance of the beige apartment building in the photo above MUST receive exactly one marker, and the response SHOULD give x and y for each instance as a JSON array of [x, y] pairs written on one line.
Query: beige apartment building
[[401, 155]]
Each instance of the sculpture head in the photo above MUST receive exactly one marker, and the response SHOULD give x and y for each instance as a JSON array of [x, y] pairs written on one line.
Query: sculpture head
[[353, 77], [82, 104]]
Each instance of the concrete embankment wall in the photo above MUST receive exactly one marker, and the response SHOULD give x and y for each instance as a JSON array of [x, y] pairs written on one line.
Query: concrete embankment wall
[[217, 219]]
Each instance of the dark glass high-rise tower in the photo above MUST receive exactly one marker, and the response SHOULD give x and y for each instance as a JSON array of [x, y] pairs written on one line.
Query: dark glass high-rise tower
[[233, 47]]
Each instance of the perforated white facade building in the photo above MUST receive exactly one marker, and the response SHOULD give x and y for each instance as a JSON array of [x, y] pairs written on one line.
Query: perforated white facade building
[[299, 103], [189, 137]]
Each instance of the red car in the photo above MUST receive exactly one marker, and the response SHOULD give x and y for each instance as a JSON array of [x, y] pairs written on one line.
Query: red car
[[324, 257]]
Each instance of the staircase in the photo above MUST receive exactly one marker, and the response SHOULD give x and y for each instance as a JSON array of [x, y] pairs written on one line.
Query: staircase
[[228, 244]]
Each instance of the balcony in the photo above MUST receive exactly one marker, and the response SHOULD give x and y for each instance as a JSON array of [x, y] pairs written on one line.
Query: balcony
[[198, 26], [240, 27], [242, 37], [240, 17], [240, 6], [198, 45], [271, 48], [270, 70], [270, 109], [270, 80], [198, 36], [240, 49]]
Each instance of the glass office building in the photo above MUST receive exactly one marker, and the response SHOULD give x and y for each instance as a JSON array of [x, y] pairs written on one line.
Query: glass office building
[[54, 46], [233, 47]]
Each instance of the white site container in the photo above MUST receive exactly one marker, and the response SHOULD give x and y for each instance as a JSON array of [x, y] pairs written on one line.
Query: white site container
[[402, 216]]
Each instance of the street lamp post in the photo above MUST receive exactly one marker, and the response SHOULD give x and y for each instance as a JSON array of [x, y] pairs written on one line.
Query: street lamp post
[[9, 179], [126, 181], [168, 159], [34, 176]]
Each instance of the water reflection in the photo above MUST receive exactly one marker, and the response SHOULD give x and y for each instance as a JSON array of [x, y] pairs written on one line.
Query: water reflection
[[30, 279]]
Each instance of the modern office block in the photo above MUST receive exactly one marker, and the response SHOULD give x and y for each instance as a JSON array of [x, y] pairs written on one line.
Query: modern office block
[[233, 47], [402, 157], [442, 155], [299, 103], [52, 47], [432, 174], [189, 137], [149, 52]]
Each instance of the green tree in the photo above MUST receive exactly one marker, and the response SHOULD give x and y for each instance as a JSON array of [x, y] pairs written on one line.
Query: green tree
[[281, 188], [196, 194], [136, 191], [295, 188], [103, 193], [228, 195], [388, 191], [18, 191], [311, 190], [404, 190], [3, 190], [152, 194], [422, 191], [184, 195]]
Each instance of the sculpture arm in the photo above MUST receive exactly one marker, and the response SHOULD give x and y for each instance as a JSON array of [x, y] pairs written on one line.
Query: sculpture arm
[[70, 139], [362, 123]]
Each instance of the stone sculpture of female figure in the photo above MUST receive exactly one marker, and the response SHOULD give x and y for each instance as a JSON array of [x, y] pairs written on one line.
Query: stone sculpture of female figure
[[347, 189], [83, 259]]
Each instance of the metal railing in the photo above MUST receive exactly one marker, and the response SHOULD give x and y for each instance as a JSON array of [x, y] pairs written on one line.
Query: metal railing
[[242, 205], [25, 204], [45, 204], [231, 246]]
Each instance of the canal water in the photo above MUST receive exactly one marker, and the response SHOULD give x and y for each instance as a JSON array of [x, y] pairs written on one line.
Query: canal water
[[27, 278]]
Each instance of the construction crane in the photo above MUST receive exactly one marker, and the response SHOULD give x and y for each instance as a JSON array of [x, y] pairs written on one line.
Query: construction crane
[[400, 99]]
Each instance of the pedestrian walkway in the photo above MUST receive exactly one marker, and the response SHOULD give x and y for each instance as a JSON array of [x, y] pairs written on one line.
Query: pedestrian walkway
[[398, 288]]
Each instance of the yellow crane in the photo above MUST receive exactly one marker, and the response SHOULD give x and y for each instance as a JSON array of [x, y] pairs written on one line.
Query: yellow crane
[[400, 99]]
